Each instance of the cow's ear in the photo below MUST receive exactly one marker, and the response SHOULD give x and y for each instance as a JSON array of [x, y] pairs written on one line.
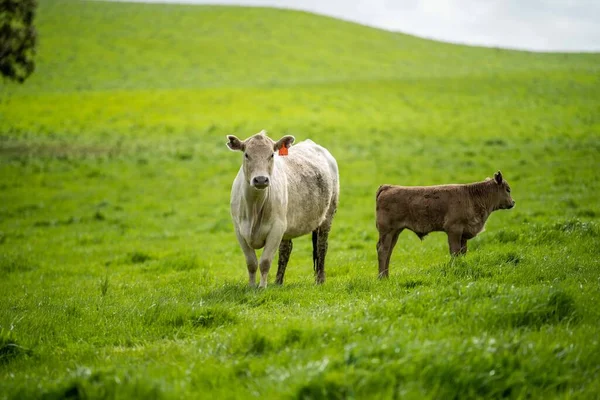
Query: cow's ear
[[284, 141], [498, 177], [234, 143]]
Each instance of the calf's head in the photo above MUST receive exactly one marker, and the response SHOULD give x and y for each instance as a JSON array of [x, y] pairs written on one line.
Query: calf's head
[[502, 198], [259, 152]]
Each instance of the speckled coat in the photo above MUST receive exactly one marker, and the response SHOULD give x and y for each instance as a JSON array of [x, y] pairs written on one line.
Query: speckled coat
[[300, 197]]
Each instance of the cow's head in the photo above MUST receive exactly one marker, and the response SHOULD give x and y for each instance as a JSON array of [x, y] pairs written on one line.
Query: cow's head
[[259, 151], [502, 197]]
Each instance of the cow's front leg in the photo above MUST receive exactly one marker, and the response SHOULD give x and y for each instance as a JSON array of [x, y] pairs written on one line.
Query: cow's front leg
[[266, 258], [251, 260]]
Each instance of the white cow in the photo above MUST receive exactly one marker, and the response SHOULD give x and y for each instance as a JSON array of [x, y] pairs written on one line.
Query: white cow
[[275, 198]]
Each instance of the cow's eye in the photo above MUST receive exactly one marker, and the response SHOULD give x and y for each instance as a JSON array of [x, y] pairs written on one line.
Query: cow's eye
[[246, 155], [272, 155]]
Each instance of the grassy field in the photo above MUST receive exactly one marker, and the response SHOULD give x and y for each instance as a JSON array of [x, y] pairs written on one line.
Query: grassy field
[[121, 275]]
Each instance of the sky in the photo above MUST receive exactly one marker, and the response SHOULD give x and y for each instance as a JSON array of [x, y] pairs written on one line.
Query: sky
[[537, 25]]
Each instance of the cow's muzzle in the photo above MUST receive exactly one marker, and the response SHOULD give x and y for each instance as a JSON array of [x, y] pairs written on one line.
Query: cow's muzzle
[[260, 182]]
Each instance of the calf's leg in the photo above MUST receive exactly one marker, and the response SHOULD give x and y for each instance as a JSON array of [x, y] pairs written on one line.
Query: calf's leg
[[463, 245], [454, 242], [285, 249], [385, 245], [251, 260]]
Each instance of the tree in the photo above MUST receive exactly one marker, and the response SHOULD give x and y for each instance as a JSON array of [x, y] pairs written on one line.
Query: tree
[[17, 39]]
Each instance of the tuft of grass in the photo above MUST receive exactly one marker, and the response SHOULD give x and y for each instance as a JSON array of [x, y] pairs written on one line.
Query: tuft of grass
[[10, 349], [333, 385], [507, 236], [578, 227], [255, 344], [213, 317], [15, 262], [465, 268], [84, 383], [104, 285], [138, 257], [180, 262]]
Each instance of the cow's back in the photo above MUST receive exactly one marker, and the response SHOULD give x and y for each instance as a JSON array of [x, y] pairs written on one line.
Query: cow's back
[[312, 187], [422, 209]]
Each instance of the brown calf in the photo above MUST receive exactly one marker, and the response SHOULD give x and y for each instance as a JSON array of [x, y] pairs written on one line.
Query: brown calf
[[458, 210]]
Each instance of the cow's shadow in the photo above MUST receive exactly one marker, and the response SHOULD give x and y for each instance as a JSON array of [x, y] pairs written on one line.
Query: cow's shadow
[[240, 293]]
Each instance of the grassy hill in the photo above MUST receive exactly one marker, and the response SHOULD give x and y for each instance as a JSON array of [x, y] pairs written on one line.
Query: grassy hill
[[121, 275]]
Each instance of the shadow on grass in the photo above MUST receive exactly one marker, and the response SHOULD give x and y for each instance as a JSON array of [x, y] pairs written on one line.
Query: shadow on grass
[[229, 292], [534, 310], [242, 294]]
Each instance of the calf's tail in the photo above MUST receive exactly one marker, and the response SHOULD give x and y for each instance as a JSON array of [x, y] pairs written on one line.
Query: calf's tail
[[380, 189]]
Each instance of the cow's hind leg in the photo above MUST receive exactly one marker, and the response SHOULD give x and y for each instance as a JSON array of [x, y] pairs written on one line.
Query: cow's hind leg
[[385, 245], [320, 245], [320, 237], [285, 249]]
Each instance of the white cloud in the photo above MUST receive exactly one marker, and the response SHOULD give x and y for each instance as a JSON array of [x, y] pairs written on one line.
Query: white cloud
[[541, 25]]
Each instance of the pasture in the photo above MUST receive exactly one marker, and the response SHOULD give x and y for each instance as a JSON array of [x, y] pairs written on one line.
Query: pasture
[[121, 274]]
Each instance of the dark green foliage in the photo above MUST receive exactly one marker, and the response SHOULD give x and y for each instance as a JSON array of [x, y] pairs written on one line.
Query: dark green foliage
[[9, 348], [17, 39]]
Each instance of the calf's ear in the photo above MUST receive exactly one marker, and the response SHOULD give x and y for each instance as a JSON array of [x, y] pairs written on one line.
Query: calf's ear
[[498, 177], [234, 143], [284, 141]]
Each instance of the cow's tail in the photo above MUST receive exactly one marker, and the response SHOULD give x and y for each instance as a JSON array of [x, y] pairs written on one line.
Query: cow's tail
[[315, 240]]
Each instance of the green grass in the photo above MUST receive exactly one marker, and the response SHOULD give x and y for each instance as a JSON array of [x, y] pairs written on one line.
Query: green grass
[[120, 273]]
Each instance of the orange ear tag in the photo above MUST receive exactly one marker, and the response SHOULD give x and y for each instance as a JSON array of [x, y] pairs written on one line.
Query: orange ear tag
[[283, 151]]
